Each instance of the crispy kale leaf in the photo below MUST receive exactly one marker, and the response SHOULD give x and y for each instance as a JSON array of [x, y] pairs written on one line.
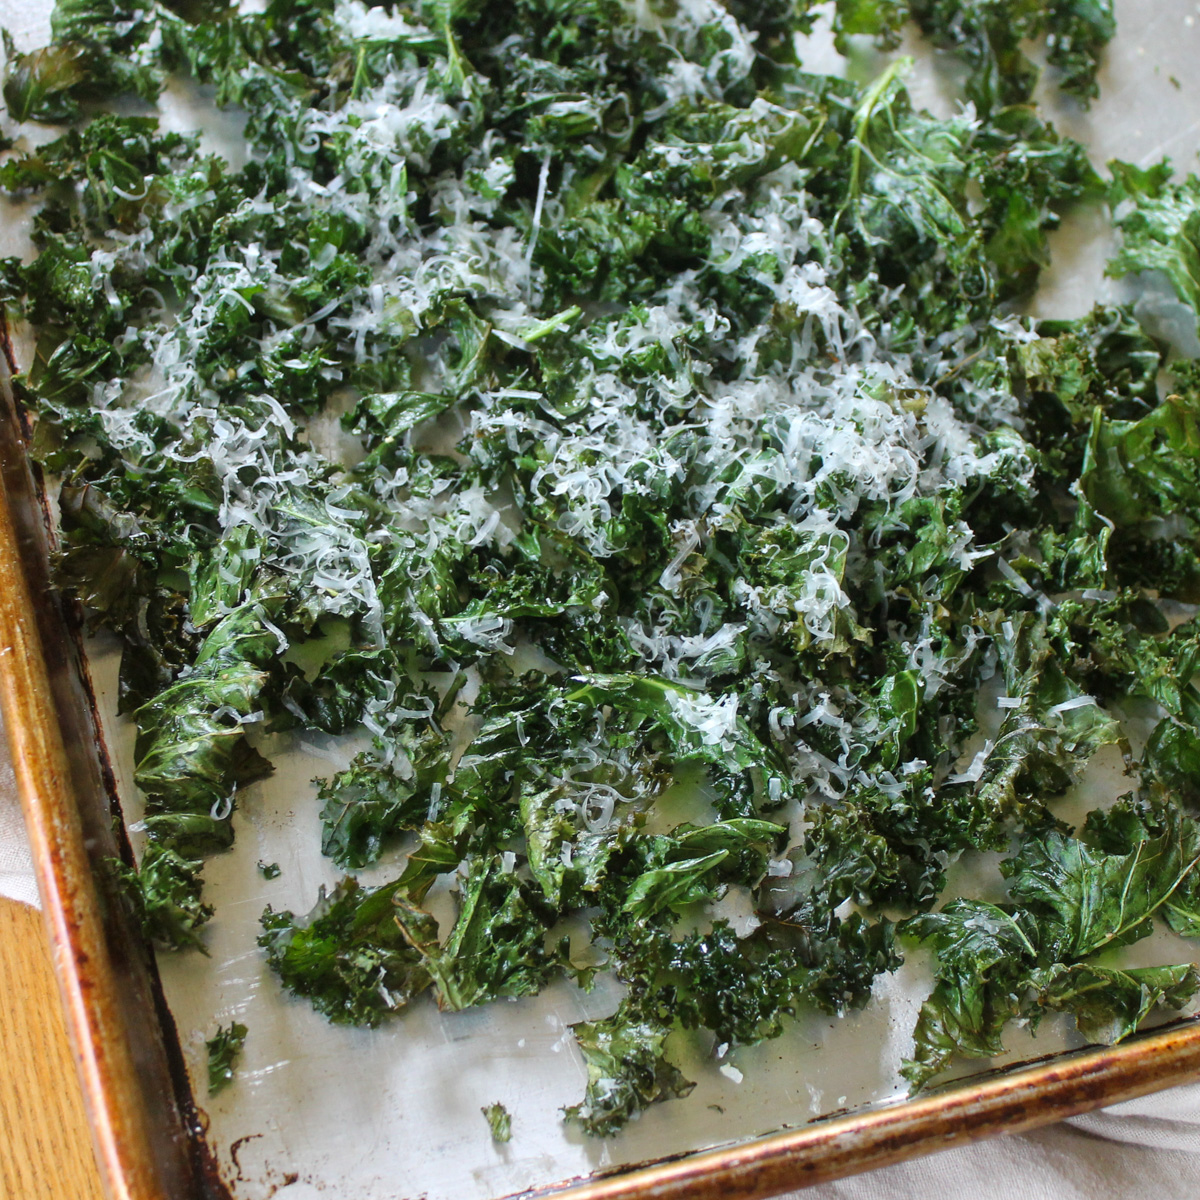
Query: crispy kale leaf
[[988, 34], [165, 892], [1085, 900], [627, 1070], [349, 955], [1160, 226], [496, 947], [38, 86], [1072, 901], [1109, 1004], [362, 806], [224, 1049], [982, 951]]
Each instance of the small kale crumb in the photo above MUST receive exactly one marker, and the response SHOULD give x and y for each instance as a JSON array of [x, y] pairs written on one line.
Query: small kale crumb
[[268, 870], [224, 1049], [500, 1120]]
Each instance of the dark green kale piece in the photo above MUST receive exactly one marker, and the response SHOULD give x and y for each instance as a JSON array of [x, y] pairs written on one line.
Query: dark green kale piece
[[165, 892], [224, 1050], [1171, 763], [1049, 731], [999, 962], [1085, 901], [1103, 360], [1160, 226], [982, 951], [1108, 1003], [349, 955], [496, 946], [697, 728], [38, 86], [741, 989], [627, 1070], [1028, 175], [370, 801], [192, 754], [988, 34]]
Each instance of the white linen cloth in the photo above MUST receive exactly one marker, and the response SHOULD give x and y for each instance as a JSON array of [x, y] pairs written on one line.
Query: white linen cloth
[[16, 863], [1146, 1149]]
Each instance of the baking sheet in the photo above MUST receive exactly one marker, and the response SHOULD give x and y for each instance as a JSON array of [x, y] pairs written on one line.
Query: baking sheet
[[394, 1113]]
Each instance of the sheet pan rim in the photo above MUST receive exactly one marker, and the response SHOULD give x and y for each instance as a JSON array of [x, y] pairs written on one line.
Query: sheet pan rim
[[75, 905]]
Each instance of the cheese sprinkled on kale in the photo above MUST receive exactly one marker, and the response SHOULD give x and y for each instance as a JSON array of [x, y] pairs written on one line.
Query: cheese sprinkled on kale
[[598, 408]]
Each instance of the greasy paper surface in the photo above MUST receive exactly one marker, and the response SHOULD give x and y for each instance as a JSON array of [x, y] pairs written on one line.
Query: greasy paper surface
[[393, 1113]]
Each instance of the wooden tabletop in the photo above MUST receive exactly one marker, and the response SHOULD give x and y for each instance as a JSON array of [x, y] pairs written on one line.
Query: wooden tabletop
[[45, 1147]]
